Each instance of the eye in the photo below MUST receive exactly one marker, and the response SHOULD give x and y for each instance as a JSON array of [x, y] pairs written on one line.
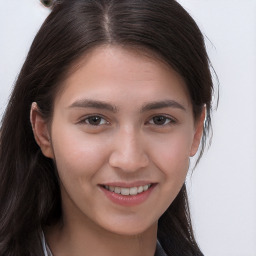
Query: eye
[[161, 120], [47, 3], [95, 120]]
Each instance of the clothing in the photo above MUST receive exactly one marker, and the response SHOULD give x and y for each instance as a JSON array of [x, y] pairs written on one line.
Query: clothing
[[47, 252], [159, 250]]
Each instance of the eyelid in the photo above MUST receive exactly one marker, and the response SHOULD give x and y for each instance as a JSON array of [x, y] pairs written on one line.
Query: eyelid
[[83, 119], [172, 120]]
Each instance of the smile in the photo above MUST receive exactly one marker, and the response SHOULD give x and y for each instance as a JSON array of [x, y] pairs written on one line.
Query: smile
[[128, 191]]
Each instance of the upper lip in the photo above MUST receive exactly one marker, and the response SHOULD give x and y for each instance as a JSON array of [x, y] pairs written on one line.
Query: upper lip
[[127, 184]]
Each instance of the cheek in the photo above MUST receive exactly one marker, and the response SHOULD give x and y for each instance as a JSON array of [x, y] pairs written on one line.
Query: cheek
[[174, 167], [173, 150], [77, 155], [171, 156]]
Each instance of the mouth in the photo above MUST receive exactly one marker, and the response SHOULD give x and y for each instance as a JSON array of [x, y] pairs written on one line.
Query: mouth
[[127, 191], [128, 195]]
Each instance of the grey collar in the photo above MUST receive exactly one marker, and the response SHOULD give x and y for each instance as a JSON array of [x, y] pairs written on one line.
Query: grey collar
[[159, 250]]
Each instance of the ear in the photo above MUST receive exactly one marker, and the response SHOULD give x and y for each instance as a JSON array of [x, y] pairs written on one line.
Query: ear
[[199, 127], [41, 131]]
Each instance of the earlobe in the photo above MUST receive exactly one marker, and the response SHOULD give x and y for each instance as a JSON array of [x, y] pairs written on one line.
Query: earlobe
[[199, 128], [41, 131]]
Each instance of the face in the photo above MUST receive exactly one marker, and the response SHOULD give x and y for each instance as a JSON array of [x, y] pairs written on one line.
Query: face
[[121, 136]]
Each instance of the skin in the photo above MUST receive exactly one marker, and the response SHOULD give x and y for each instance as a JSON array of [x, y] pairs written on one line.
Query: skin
[[127, 144]]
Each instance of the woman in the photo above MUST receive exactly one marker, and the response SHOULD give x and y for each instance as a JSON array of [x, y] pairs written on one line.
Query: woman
[[111, 103]]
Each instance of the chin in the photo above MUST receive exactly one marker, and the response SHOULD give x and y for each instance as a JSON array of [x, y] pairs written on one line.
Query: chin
[[130, 228]]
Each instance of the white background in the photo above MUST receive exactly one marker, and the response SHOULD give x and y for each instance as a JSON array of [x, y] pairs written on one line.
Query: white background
[[222, 189]]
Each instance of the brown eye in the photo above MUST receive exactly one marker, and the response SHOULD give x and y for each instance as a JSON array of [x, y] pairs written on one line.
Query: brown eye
[[47, 3], [161, 120], [95, 120]]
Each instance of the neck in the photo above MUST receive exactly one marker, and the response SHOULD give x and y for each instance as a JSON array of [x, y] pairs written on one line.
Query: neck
[[86, 239]]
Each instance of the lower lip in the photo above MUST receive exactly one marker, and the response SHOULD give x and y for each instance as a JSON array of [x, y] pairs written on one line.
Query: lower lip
[[131, 200]]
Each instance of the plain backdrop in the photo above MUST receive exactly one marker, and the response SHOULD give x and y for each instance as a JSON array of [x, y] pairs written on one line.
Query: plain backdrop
[[222, 189]]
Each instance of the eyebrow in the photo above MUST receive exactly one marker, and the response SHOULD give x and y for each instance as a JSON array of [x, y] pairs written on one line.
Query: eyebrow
[[86, 103], [162, 104]]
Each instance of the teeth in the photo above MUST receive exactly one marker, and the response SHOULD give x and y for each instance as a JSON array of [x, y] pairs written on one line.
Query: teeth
[[133, 191], [128, 191], [117, 190], [125, 191], [145, 187], [140, 189]]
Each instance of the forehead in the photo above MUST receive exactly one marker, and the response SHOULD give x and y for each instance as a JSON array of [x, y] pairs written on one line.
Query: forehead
[[107, 70]]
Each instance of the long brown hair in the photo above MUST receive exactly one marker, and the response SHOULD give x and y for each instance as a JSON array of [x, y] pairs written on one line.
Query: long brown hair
[[29, 187]]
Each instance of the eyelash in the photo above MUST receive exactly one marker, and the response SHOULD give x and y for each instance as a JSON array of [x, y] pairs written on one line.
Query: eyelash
[[166, 120], [86, 120]]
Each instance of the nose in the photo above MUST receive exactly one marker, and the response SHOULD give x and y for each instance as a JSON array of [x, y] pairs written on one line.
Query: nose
[[128, 152]]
